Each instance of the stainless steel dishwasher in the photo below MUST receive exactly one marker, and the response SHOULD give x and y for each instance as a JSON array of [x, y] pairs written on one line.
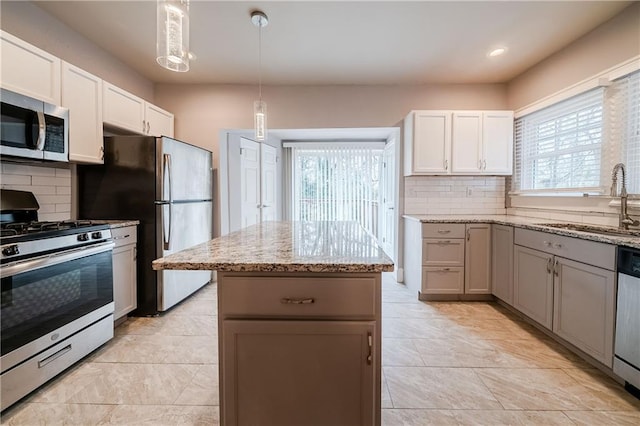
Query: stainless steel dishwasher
[[626, 362]]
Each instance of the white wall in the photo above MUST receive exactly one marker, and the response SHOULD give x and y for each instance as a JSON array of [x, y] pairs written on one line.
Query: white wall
[[28, 22], [612, 43]]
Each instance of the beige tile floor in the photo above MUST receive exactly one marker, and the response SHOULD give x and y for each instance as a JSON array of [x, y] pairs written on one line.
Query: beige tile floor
[[443, 364]]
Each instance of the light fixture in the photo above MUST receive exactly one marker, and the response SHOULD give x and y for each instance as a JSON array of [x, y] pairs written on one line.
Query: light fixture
[[172, 41], [497, 52], [259, 19]]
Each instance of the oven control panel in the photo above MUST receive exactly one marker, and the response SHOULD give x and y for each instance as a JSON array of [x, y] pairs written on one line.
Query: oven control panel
[[10, 250]]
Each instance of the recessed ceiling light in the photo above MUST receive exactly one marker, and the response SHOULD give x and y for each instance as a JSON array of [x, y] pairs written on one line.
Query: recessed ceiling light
[[497, 52]]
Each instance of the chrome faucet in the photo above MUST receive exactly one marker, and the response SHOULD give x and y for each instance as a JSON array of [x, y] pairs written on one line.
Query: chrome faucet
[[624, 219]]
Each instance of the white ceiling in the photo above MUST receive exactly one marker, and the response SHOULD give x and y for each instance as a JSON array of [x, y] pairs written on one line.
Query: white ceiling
[[322, 42]]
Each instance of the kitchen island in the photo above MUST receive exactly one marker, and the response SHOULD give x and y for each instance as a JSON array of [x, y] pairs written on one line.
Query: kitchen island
[[299, 322]]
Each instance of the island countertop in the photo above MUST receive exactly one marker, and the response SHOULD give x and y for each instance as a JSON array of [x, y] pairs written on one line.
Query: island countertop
[[286, 247]]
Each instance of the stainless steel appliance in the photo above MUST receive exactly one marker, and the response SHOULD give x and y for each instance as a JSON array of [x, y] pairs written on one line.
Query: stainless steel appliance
[[57, 294], [166, 185], [626, 362], [33, 129]]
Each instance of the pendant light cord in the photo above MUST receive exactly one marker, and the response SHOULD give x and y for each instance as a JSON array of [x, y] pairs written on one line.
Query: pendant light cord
[[260, 61]]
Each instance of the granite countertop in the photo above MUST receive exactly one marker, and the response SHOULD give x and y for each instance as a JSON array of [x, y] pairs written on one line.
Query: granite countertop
[[536, 224], [286, 247], [116, 223]]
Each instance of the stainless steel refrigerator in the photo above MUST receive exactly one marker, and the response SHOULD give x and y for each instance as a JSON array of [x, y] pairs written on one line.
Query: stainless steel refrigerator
[[166, 185]]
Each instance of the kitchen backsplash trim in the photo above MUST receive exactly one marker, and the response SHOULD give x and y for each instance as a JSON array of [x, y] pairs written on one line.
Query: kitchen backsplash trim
[[50, 185]]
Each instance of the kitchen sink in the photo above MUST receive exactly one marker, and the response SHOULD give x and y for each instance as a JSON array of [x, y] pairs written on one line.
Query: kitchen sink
[[603, 230]]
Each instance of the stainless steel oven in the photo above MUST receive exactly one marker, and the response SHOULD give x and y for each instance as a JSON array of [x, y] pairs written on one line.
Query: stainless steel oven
[[31, 128], [56, 303]]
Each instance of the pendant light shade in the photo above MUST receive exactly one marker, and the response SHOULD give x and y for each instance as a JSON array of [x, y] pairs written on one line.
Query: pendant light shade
[[172, 42], [259, 19]]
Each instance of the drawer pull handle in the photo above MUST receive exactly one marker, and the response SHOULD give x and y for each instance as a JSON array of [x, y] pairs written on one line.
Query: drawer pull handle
[[297, 301], [557, 245], [546, 243], [121, 237], [370, 343], [445, 269], [443, 231], [53, 357], [444, 242]]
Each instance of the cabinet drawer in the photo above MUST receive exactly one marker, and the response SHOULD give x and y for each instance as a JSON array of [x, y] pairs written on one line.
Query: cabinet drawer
[[443, 280], [124, 236], [443, 230], [317, 297], [443, 252], [585, 251]]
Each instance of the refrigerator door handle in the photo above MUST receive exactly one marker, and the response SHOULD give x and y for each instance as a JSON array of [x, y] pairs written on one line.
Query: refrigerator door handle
[[166, 238]]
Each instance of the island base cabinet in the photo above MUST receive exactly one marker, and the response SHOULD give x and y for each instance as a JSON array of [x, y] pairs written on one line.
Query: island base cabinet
[[584, 308], [299, 372], [533, 286]]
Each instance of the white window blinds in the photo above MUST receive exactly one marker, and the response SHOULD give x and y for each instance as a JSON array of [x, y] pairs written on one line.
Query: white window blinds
[[337, 183], [623, 126], [559, 148]]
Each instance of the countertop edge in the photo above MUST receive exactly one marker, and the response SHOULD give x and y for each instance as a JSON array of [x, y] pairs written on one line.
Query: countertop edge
[[159, 264], [531, 223]]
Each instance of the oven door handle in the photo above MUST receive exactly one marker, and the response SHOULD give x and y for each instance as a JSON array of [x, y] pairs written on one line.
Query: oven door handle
[[55, 259]]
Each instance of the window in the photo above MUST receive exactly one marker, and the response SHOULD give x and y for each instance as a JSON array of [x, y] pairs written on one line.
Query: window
[[559, 148], [337, 183], [623, 102], [572, 146]]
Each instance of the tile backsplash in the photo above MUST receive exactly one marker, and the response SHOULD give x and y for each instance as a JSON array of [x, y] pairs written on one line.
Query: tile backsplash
[[50, 185], [454, 195]]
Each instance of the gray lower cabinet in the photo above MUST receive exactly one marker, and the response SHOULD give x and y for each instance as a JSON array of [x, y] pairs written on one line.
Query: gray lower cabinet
[[477, 265], [124, 271], [533, 284], [298, 372], [502, 262], [573, 298], [299, 348], [584, 303]]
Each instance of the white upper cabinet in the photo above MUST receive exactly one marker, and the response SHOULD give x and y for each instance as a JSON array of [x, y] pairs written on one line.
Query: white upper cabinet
[[28, 70], [82, 94], [427, 141], [467, 142], [497, 142], [129, 112], [123, 109], [458, 143], [158, 121]]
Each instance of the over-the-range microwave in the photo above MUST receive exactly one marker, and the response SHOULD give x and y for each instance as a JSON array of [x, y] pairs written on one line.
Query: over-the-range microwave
[[33, 129]]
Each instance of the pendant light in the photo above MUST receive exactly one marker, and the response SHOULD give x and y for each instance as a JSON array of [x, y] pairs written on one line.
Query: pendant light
[[259, 19], [172, 41]]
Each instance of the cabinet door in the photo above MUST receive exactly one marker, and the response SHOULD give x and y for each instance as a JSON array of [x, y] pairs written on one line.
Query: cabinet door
[[28, 70], [502, 262], [124, 280], [497, 142], [584, 307], [431, 146], [82, 94], [477, 267], [122, 109], [299, 373], [158, 121], [533, 284], [466, 142]]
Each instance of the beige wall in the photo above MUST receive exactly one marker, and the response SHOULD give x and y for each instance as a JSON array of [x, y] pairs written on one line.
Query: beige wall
[[33, 25], [202, 111], [608, 45]]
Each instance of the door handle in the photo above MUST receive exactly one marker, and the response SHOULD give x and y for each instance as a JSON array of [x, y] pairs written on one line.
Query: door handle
[[167, 170], [42, 131], [555, 268], [468, 234], [549, 262]]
